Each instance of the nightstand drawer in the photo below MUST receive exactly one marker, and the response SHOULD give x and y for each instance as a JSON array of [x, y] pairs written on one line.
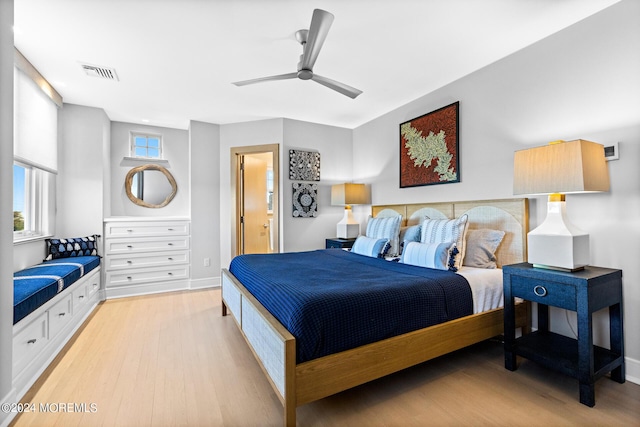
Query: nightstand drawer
[[543, 292], [339, 243]]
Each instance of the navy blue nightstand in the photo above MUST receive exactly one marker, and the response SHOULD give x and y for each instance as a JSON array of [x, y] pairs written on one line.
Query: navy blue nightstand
[[339, 242], [584, 292]]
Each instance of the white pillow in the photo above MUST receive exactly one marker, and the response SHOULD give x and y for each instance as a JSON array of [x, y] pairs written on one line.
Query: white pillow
[[447, 231], [386, 228], [369, 246], [430, 255]]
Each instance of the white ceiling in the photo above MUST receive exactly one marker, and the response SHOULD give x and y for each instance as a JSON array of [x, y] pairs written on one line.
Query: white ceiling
[[176, 59]]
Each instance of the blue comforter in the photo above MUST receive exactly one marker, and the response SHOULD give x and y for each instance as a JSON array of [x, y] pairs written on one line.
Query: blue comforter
[[333, 300]]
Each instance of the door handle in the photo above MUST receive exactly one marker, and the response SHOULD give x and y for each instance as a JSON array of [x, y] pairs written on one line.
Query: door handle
[[265, 225]]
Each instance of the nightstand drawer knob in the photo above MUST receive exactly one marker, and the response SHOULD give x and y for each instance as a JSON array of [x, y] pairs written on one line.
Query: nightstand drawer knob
[[540, 291]]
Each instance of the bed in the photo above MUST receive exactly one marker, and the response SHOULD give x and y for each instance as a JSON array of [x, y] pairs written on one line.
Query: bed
[[298, 379]]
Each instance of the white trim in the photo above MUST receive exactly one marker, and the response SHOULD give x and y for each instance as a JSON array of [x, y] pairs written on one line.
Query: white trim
[[632, 370], [146, 289], [7, 417], [207, 282]]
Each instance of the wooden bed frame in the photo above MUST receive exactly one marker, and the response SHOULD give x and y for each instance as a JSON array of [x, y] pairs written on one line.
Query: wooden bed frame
[[297, 384]]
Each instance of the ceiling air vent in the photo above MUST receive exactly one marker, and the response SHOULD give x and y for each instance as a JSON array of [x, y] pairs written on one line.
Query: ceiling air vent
[[101, 72]]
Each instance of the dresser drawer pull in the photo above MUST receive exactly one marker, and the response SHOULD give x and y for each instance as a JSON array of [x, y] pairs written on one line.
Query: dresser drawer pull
[[170, 273], [128, 277], [129, 246], [129, 261], [540, 291], [80, 296], [61, 314], [129, 230], [31, 341], [170, 259], [170, 229], [170, 244]]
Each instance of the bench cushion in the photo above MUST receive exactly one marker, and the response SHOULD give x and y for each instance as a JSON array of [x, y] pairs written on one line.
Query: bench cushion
[[34, 286]]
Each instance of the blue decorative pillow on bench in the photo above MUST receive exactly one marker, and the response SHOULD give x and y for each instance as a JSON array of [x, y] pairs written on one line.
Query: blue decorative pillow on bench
[[77, 246]]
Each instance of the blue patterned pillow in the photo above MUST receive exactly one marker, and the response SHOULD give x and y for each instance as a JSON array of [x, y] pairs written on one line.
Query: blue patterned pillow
[[386, 228], [77, 246], [369, 246], [440, 256]]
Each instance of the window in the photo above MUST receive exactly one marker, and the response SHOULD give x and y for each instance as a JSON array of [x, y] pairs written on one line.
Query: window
[[33, 200], [35, 147], [146, 145], [269, 190]]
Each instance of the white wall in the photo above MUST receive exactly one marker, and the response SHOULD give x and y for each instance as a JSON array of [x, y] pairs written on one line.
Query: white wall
[[84, 134], [7, 394], [175, 149], [240, 135], [336, 160], [334, 145], [204, 140], [579, 83]]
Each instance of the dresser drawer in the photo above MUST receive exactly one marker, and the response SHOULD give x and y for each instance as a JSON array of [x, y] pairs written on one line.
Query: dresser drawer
[[144, 275], [60, 315], [146, 229], [151, 244], [120, 262], [79, 297], [549, 293], [29, 341]]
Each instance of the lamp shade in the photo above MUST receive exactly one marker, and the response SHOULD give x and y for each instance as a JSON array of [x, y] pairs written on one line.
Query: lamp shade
[[348, 194], [563, 167]]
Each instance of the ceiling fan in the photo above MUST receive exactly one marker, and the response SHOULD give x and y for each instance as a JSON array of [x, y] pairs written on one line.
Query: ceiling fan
[[311, 40]]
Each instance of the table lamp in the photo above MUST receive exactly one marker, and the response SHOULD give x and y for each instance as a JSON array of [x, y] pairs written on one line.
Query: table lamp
[[557, 169], [347, 195]]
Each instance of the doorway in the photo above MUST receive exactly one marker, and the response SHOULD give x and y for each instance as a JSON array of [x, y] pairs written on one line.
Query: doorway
[[255, 180]]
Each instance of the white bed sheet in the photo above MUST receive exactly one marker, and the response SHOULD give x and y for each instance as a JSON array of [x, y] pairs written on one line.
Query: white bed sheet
[[486, 287]]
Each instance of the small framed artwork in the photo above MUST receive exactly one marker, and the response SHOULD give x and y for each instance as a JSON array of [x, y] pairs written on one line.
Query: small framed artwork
[[304, 165], [429, 148], [305, 200]]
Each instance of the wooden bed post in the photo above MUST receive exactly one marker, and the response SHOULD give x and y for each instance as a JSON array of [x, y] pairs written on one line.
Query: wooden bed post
[[290, 401]]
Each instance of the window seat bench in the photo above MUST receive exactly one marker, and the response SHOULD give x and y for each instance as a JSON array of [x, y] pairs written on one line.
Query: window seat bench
[[51, 301]]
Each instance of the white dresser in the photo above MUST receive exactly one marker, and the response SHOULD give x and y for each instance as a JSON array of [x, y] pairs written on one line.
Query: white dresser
[[145, 255]]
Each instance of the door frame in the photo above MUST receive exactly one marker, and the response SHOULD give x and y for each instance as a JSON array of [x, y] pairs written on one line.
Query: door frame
[[236, 199]]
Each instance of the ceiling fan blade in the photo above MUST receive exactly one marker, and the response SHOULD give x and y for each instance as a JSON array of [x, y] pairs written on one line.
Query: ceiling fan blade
[[320, 24], [266, 79], [344, 89]]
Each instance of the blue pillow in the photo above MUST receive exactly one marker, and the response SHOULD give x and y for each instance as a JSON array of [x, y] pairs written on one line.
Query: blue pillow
[[370, 246], [67, 248], [431, 255]]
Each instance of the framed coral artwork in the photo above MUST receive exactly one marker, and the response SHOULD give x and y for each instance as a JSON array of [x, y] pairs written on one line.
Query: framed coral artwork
[[429, 148]]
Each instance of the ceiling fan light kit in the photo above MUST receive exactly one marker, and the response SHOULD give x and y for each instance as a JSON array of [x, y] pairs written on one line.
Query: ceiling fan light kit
[[311, 41]]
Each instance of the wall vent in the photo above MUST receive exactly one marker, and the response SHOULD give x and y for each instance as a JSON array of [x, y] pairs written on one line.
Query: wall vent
[[101, 72]]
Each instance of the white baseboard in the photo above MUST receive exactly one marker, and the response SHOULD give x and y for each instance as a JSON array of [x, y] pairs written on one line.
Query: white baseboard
[[207, 282], [7, 417], [146, 289], [632, 370]]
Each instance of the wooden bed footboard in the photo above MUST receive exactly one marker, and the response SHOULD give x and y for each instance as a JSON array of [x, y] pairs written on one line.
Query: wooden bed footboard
[[275, 349]]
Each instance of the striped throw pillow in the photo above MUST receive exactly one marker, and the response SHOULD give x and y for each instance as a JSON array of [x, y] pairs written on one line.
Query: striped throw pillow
[[446, 231], [430, 255], [369, 246], [386, 228]]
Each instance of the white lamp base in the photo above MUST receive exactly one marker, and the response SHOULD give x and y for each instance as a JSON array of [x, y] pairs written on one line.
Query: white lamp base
[[348, 227], [556, 243]]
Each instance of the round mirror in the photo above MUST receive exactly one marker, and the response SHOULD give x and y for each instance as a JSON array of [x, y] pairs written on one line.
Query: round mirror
[[151, 186]]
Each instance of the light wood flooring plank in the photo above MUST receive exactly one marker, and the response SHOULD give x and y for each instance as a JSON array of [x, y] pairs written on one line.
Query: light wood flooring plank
[[172, 360]]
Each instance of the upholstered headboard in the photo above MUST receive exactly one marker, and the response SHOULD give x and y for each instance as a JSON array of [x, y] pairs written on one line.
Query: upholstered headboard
[[509, 215]]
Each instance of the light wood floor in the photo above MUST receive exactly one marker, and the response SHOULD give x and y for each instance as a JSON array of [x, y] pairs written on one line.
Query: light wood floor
[[173, 360]]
